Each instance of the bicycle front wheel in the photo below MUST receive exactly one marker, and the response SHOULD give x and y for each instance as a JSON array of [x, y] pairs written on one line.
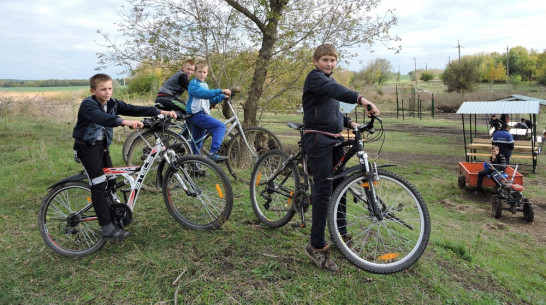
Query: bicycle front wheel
[[240, 160], [273, 188], [127, 144], [140, 149], [389, 245], [68, 223], [197, 193]]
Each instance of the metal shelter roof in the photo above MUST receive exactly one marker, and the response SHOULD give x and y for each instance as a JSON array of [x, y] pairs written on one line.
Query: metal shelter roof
[[343, 107], [346, 107], [518, 97], [504, 106]]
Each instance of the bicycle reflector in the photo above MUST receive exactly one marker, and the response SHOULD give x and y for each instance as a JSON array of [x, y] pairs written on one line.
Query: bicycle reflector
[[258, 178], [289, 201], [388, 256], [365, 184], [219, 190], [88, 199]]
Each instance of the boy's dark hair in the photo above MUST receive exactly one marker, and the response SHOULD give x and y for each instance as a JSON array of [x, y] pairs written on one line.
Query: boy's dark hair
[[523, 120], [97, 78], [325, 49]]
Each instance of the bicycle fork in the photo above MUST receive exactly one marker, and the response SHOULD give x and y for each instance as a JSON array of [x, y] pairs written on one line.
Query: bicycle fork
[[368, 185]]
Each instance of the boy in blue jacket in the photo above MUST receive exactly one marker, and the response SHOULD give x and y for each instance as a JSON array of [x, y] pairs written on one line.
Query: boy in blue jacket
[[93, 133], [323, 124], [200, 100]]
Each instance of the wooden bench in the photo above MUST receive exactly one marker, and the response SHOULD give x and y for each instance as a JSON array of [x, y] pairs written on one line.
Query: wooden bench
[[471, 154], [482, 148]]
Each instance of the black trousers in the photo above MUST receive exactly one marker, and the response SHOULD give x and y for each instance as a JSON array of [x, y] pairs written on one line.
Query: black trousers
[[170, 102], [94, 158], [322, 156]]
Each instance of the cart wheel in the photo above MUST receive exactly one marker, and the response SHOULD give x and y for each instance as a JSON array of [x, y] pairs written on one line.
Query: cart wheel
[[496, 207], [528, 210], [462, 181]]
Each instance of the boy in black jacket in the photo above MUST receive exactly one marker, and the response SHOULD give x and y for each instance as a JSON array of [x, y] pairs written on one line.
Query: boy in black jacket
[[495, 158], [93, 133], [323, 124]]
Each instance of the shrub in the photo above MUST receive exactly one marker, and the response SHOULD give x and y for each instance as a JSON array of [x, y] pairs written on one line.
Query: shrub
[[427, 76]]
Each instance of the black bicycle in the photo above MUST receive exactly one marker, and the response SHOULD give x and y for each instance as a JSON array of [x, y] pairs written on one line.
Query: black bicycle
[[385, 215]]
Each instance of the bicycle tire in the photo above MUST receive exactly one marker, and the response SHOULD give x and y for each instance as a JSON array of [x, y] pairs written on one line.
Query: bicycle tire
[[127, 144], [271, 199], [209, 202], [240, 161], [62, 230], [176, 128], [138, 152], [384, 246]]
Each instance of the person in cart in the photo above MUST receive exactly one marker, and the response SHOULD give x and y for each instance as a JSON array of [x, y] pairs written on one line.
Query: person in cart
[[495, 158]]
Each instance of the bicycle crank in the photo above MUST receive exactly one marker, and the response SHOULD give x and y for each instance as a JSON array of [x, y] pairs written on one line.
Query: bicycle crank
[[121, 215]]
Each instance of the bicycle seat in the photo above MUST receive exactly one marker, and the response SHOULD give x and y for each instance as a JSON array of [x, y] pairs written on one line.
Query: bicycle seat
[[296, 126]]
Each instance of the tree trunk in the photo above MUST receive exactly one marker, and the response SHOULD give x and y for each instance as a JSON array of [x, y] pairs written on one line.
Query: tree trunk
[[269, 30]]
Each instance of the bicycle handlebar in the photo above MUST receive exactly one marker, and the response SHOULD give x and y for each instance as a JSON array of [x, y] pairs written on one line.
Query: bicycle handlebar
[[369, 126]]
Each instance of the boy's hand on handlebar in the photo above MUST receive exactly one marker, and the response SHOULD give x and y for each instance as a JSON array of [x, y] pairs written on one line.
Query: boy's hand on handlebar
[[132, 124], [226, 92], [171, 113], [370, 107]]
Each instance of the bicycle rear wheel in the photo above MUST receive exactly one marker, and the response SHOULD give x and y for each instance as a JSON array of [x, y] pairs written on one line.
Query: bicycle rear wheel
[[139, 150], [197, 193], [68, 222], [240, 160], [273, 188], [382, 246]]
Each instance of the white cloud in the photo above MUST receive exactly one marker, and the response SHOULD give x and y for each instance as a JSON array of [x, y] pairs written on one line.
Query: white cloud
[[430, 30], [43, 39]]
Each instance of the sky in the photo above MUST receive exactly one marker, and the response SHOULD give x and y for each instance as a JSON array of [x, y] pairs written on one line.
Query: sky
[[41, 39], [431, 30]]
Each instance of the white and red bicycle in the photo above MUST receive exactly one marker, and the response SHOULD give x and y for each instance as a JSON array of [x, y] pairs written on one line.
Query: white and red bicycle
[[196, 192]]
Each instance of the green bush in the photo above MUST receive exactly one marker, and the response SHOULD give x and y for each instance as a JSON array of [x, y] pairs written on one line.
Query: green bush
[[142, 83], [427, 76]]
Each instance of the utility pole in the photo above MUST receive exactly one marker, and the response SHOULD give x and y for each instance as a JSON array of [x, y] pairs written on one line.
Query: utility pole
[[415, 69], [459, 47]]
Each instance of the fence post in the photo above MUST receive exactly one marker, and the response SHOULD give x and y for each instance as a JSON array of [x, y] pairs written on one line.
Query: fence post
[[397, 107], [432, 110], [402, 109]]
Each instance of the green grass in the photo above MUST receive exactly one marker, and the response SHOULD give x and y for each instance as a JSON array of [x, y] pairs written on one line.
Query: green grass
[[471, 258]]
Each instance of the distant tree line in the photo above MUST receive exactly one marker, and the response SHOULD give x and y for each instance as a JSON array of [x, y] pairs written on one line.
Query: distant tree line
[[44, 83]]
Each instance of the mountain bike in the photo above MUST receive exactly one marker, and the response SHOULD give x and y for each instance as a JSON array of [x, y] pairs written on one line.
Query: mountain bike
[[196, 192], [241, 145], [384, 214]]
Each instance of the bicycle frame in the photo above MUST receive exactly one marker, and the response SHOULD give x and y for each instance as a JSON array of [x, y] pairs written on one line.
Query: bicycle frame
[[356, 147], [231, 124]]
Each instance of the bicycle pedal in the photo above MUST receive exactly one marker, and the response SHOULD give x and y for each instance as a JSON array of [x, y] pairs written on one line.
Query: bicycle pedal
[[299, 225]]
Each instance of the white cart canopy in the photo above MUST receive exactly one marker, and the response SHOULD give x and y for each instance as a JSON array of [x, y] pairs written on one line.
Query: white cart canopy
[[512, 107]]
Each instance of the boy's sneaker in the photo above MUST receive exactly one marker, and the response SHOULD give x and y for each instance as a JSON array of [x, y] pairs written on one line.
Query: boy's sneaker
[[217, 158], [109, 232], [321, 257]]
